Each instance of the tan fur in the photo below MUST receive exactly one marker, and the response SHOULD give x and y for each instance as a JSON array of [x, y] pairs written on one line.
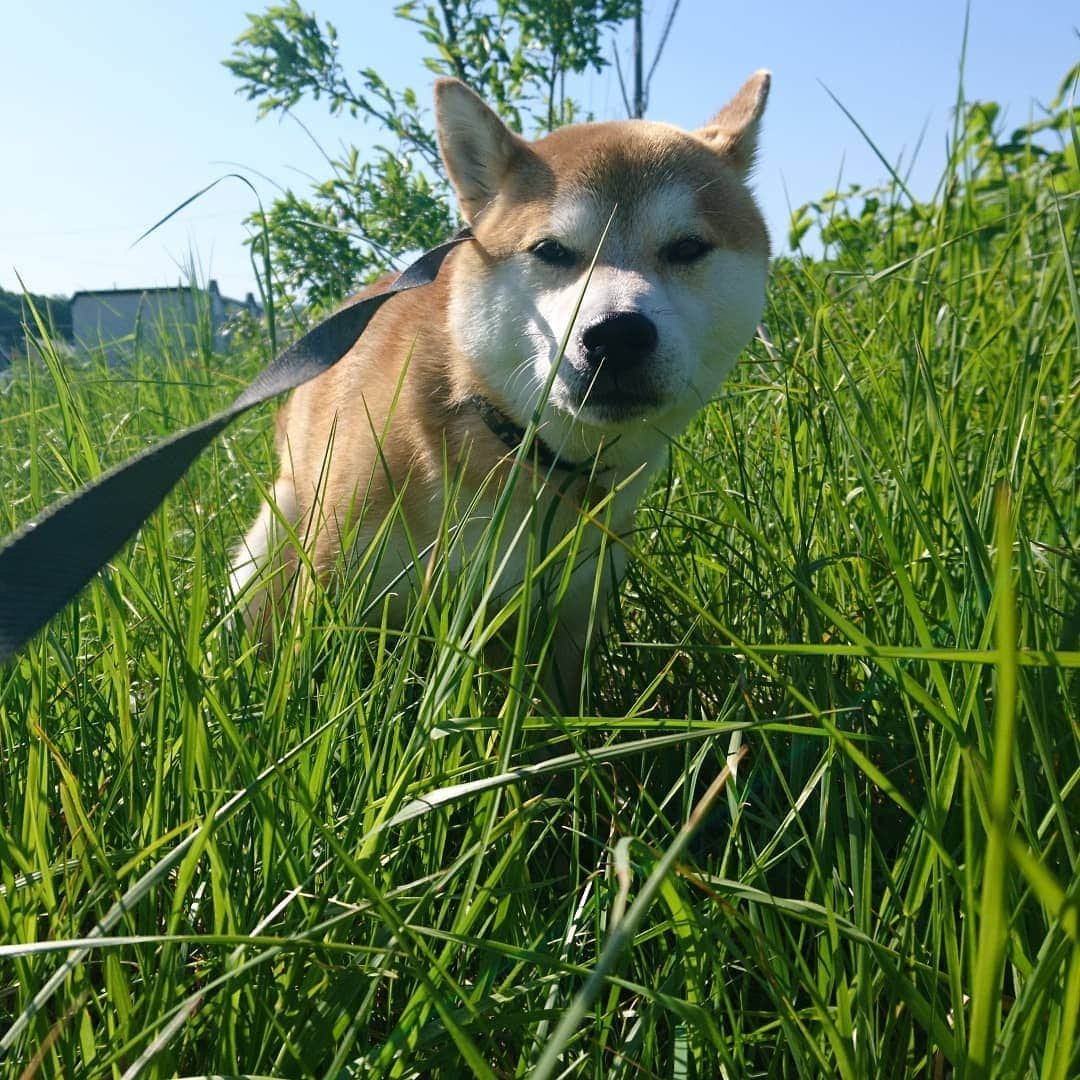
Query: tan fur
[[391, 417]]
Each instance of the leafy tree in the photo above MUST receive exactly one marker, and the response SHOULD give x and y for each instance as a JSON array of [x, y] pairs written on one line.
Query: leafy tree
[[994, 174], [15, 316], [395, 197]]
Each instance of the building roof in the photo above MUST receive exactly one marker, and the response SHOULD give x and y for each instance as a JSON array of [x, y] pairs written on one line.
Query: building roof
[[212, 288]]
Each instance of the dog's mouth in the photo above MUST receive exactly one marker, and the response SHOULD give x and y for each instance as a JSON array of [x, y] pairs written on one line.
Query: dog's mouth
[[614, 399]]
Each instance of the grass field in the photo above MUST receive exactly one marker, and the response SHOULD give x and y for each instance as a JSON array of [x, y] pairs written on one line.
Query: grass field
[[822, 821]]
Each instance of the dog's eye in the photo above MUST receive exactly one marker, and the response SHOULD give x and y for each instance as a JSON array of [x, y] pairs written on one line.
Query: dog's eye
[[553, 253], [685, 251]]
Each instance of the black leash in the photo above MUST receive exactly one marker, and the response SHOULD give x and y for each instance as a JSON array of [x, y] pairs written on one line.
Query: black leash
[[46, 563]]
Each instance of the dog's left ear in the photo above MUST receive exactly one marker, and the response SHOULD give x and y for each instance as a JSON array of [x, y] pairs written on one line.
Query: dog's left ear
[[733, 131], [476, 145]]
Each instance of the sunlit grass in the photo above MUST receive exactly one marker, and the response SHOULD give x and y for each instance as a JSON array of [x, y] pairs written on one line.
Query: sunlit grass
[[856, 590]]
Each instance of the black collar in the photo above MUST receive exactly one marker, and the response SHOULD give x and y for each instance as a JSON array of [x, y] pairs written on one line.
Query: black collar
[[512, 435]]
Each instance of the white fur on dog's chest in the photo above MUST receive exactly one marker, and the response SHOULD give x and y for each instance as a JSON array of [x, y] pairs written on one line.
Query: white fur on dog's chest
[[534, 538]]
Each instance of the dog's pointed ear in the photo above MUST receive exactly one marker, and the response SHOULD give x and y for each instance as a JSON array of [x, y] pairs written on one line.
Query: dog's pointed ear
[[477, 147], [733, 131]]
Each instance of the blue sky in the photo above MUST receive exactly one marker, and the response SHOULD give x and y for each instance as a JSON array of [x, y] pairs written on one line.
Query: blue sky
[[116, 112]]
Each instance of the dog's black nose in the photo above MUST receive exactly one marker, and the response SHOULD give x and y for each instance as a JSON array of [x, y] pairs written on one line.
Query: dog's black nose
[[622, 340]]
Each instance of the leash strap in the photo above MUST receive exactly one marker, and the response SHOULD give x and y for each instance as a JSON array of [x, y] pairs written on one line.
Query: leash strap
[[47, 562]]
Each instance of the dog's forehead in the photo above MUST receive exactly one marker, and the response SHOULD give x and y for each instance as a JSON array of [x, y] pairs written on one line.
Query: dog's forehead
[[627, 163], [581, 214], [659, 181]]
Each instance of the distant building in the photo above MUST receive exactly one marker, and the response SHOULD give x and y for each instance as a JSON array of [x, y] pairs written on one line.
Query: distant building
[[116, 320]]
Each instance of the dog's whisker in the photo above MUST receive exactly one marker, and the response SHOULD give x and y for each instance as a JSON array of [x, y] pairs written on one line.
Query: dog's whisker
[[708, 184]]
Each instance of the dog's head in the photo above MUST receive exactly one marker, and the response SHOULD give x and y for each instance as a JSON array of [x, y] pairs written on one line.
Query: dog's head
[[681, 252]]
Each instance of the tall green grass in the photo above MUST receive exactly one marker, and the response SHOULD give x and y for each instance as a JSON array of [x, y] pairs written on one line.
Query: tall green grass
[[821, 820]]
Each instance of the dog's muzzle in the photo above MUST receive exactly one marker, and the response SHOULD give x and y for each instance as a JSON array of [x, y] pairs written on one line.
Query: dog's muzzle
[[622, 341], [614, 374]]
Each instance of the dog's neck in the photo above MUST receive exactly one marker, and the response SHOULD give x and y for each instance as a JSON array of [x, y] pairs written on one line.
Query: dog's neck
[[512, 435]]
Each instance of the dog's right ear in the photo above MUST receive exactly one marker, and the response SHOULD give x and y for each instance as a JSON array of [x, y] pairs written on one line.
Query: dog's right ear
[[477, 147]]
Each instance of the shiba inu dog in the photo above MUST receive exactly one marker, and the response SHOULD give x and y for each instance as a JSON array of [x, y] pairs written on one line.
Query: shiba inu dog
[[617, 271]]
